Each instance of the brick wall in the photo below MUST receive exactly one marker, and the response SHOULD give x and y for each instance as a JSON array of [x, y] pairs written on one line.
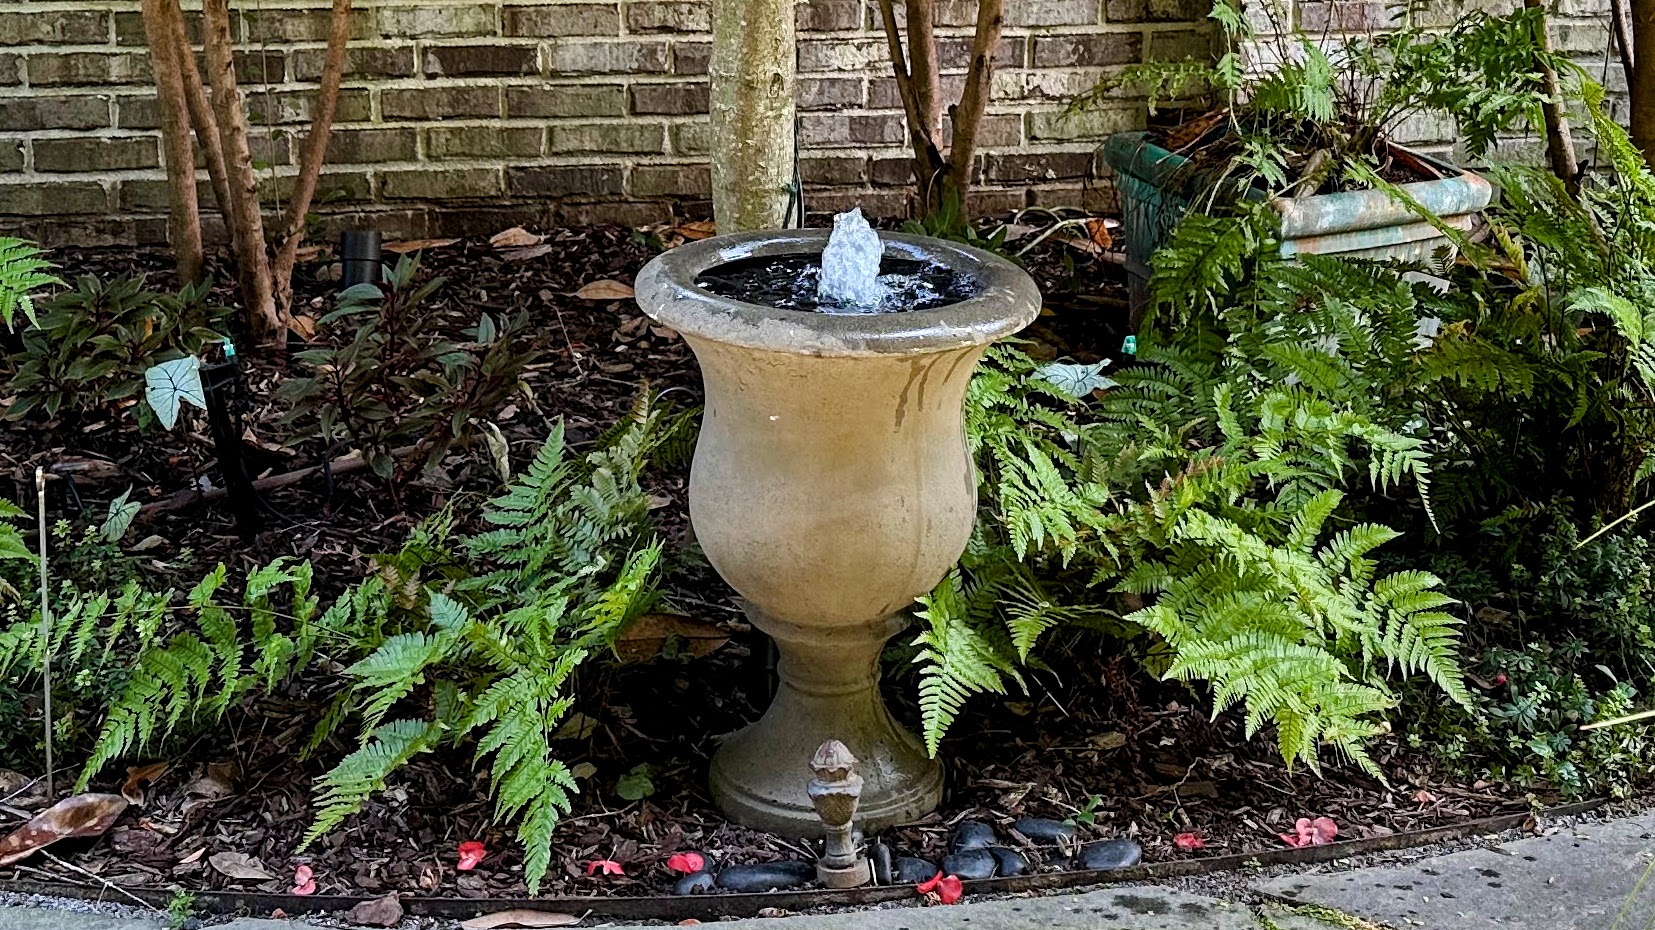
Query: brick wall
[[461, 116]]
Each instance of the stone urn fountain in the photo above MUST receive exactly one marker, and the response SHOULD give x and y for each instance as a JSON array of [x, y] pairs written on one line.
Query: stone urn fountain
[[831, 486]]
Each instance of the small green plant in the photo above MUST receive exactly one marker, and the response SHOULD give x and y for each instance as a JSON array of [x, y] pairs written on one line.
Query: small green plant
[[402, 379], [1088, 812], [23, 270], [180, 910], [89, 347]]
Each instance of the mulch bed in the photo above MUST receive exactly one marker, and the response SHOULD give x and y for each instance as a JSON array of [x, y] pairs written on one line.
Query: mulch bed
[[1096, 739]]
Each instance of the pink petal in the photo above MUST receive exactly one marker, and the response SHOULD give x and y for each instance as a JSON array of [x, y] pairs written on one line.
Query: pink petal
[[307, 888], [926, 887], [686, 863], [1322, 831], [950, 890], [471, 855], [1189, 841]]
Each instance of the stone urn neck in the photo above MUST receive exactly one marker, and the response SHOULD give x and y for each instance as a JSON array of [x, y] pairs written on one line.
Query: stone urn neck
[[831, 486]]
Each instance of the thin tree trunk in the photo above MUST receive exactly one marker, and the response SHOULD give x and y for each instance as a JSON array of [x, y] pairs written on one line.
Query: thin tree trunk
[[1560, 143], [200, 109], [312, 156], [929, 165], [926, 70], [752, 75], [968, 116], [184, 218], [247, 224], [1641, 80], [1623, 36]]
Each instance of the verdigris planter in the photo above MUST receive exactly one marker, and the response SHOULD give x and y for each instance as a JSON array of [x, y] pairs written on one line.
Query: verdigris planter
[[831, 486], [1358, 224]]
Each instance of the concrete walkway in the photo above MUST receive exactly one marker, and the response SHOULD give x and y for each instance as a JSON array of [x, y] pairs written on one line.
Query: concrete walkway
[[1580, 878]]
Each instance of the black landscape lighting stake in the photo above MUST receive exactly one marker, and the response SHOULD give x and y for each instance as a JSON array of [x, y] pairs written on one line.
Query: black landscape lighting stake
[[222, 383], [358, 257]]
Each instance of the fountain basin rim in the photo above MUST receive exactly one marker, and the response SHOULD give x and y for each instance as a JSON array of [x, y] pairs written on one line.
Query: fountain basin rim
[[666, 290]]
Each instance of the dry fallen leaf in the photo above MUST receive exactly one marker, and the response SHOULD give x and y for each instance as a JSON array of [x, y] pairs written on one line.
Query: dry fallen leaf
[[514, 238], [379, 912], [1098, 229], [520, 917], [239, 866], [525, 253], [648, 635], [303, 326], [605, 290], [698, 229], [417, 245], [138, 780], [84, 468], [81, 815]]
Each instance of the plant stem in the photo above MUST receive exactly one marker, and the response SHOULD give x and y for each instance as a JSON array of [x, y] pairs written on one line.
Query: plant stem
[[45, 631]]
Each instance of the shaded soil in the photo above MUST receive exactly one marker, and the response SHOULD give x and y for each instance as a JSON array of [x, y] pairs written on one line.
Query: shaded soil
[[1096, 740]]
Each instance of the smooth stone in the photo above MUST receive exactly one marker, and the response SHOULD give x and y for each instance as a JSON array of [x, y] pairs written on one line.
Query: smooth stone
[[970, 863], [879, 856], [1009, 862], [765, 876], [912, 870], [972, 834], [694, 883], [1110, 854], [1042, 830]]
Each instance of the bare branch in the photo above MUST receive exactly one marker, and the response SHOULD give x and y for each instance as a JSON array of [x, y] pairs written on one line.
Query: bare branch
[[968, 116], [184, 220]]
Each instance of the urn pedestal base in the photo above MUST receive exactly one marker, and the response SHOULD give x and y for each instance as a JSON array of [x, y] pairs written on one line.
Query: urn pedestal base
[[829, 689]]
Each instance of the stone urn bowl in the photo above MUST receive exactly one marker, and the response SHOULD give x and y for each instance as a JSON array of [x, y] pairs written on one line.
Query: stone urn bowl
[[831, 486]]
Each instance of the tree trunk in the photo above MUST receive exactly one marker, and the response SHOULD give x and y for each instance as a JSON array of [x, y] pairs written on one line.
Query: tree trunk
[[752, 84], [200, 108], [247, 224], [312, 156], [1641, 82], [184, 218], [968, 116], [924, 125]]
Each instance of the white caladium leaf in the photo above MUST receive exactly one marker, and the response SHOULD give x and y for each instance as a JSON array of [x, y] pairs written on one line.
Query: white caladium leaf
[[1077, 381], [170, 383], [121, 514]]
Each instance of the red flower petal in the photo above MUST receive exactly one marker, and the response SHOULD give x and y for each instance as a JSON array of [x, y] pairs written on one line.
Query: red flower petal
[[686, 863], [304, 881], [926, 887], [471, 855], [1322, 831], [609, 867], [1189, 841], [949, 890]]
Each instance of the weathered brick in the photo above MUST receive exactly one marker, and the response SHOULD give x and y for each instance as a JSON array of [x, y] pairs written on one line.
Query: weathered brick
[[997, 130], [842, 55], [11, 70], [955, 52], [830, 93], [147, 196], [351, 185], [18, 114], [1025, 13], [1156, 11], [566, 100], [268, 149], [831, 170], [669, 16], [883, 95], [691, 57], [674, 99], [873, 203], [1580, 37], [496, 142], [481, 60], [671, 181], [608, 58], [52, 198], [851, 129], [89, 68], [11, 155], [440, 102], [260, 66], [305, 25], [615, 213], [692, 138], [129, 28], [427, 22], [1179, 45], [606, 138], [946, 14], [55, 27], [372, 146], [95, 154], [294, 107], [564, 19], [377, 62], [1344, 16], [440, 183], [1072, 51], [890, 172], [564, 181], [1019, 167], [828, 15], [1057, 126], [980, 202]]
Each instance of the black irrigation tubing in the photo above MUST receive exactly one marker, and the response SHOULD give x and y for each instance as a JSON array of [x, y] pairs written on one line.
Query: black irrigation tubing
[[715, 906]]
